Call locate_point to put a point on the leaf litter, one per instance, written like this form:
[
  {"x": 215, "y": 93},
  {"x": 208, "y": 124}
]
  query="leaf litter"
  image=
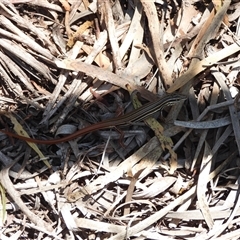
[{"x": 67, "y": 64}]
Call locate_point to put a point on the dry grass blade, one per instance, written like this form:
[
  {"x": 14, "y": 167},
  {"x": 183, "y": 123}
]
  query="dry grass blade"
[
  {"x": 157, "y": 43},
  {"x": 202, "y": 185},
  {"x": 7, "y": 184},
  {"x": 155, "y": 217},
  {"x": 235, "y": 121}
]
